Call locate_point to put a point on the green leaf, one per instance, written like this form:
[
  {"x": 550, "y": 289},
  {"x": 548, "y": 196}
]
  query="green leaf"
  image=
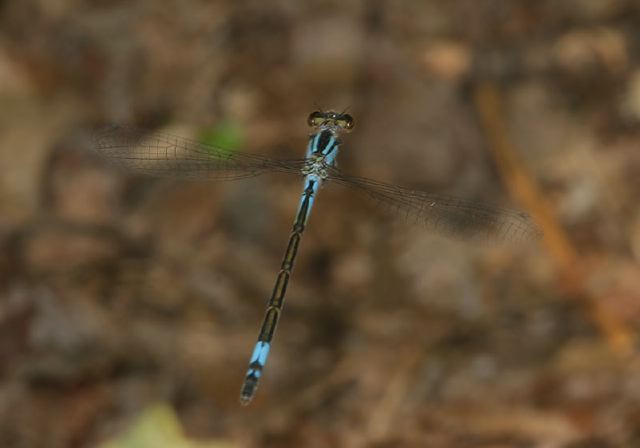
[
  {"x": 226, "y": 135},
  {"x": 158, "y": 427}
]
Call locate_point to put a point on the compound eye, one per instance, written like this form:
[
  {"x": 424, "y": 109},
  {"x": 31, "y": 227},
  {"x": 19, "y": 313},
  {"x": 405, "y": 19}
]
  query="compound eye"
[
  {"x": 347, "y": 121},
  {"x": 315, "y": 118}
]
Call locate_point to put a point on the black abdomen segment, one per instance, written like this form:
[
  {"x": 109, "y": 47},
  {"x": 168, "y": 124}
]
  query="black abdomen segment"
[{"x": 274, "y": 306}]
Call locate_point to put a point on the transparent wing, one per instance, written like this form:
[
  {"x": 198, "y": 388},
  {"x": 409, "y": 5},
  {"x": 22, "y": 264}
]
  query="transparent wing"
[
  {"x": 448, "y": 216},
  {"x": 163, "y": 154}
]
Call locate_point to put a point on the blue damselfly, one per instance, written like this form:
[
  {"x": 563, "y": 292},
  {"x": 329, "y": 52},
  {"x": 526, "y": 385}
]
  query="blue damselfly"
[{"x": 157, "y": 153}]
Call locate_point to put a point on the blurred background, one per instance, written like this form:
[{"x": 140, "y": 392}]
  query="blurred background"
[{"x": 129, "y": 306}]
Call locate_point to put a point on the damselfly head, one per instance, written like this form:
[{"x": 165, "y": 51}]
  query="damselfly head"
[{"x": 330, "y": 119}]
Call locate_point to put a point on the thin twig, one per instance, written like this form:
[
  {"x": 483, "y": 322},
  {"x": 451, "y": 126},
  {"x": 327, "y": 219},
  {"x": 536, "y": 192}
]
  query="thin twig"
[{"x": 572, "y": 273}]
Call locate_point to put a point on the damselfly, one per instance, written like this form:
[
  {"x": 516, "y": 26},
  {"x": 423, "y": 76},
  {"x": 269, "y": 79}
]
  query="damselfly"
[{"x": 165, "y": 154}]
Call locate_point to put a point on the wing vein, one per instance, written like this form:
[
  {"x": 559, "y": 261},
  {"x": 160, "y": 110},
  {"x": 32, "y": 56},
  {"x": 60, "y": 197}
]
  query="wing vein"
[
  {"x": 164, "y": 154},
  {"x": 449, "y": 216}
]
